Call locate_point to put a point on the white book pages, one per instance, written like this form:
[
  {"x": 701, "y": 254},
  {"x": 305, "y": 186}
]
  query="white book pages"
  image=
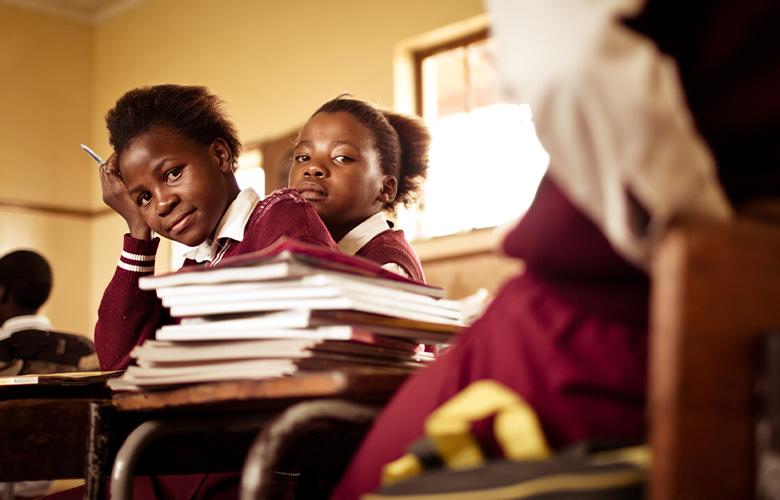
[
  {"x": 157, "y": 351},
  {"x": 130, "y": 381},
  {"x": 317, "y": 286},
  {"x": 248, "y": 367},
  {"x": 387, "y": 307},
  {"x": 269, "y": 271},
  {"x": 215, "y": 332},
  {"x": 301, "y": 324}
]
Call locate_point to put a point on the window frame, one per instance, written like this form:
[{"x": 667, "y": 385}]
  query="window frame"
[{"x": 419, "y": 55}]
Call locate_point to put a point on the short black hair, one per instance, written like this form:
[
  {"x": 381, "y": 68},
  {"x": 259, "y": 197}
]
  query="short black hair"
[
  {"x": 27, "y": 276},
  {"x": 401, "y": 143},
  {"x": 190, "y": 110}
]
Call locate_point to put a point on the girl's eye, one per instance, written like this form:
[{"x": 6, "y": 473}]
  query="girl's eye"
[
  {"x": 173, "y": 174},
  {"x": 342, "y": 159},
  {"x": 144, "y": 199},
  {"x": 301, "y": 158}
]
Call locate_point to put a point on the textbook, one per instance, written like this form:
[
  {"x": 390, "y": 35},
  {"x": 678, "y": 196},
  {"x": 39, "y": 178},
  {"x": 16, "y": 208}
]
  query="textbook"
[
  {"x": 321, "y": 284},
  {"x": 135, "y": 378},
  {"x": 164, "y": 363},
  {"x": 308, "y": 324},
  {"x": 367, "y": 304},
  {"x": 60, "y": 379},
  {"x": 283, "y": 260},
  {"x": 155, "y": 353},
  {"x": 312, "y": 292},
  {"x": 157, "y": 377}
]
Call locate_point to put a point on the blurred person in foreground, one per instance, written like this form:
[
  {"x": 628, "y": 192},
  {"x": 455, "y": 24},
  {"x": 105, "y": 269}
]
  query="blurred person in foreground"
[{"x": 652, "y": 113}]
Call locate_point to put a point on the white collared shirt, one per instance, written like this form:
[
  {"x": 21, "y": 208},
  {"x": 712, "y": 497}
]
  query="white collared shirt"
[
  {"x": 24, "y": 322},
  {"x": 232, "y": 225},
  {"x": 364, "y": 232}
]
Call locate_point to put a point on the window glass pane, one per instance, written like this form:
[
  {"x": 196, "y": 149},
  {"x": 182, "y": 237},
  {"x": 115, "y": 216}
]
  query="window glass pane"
[
  {"x": 484, "y": 88},
  {"x": 444, "y": 83}
]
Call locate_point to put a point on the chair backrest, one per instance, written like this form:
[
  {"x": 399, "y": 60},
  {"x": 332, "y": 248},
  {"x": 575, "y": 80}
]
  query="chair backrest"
[{"x": 715, "y": 289}]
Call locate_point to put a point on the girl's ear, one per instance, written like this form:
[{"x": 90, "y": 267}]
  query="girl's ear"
[
  {"x": 222, "y": 155},
  {"x": 389, "y": 189}
]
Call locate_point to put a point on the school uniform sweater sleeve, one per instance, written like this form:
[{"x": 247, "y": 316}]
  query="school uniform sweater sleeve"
[{"x": 128, "y": 315}]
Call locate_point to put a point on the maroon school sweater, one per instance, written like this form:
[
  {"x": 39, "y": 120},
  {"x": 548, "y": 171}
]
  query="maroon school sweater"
[
  {"x": 569, "y": 335},
  {"x": 127, "y": 315},
  {"x": 391, "y": 246}
]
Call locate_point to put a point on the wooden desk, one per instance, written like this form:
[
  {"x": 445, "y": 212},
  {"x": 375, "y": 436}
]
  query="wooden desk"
[
  {"x": 43, "y": 438},
  {"x": 70, "y": 432},
  {"x": 357, "y": 385},
  {"x": 231, "y": 413},
  {"x": 44, "y": 430}
]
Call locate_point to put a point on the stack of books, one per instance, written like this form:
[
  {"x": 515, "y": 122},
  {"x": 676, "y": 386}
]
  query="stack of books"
[{"x": 289, "y": 308}]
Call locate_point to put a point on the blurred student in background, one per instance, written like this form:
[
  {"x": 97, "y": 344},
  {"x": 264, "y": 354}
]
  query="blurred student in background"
[{"x": 28, "y": 344}]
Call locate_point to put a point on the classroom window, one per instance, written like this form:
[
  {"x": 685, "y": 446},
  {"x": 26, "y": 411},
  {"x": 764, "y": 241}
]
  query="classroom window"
[
  {"x": 249, "y": 173},
  {"x": 485, "y": 159}
]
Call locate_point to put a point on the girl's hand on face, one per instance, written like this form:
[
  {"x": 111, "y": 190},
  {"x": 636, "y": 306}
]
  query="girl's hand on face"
[{"x": 115, "y": 195}]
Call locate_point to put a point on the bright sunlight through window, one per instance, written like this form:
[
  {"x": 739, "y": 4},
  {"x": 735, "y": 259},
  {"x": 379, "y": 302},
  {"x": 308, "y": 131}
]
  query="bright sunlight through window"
[{"x": 485, "y": 159}]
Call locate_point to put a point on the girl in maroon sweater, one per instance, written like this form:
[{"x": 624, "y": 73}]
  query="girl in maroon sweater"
[
  {"x": 172, "y": 173},
  {"x": 352, "y": 162}
]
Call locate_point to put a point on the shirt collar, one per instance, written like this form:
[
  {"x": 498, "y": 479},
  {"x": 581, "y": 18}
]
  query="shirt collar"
[
  {"x": 363, "y": 233},
  {"x": 232, "y": 225},
  {"x": 24, "y": 322}
]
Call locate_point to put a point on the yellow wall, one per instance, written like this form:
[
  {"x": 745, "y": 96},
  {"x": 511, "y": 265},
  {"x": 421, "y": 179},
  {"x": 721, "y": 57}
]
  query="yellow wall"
[
  {"x": 272, "y": 61},
  {"x": 46, "y": 94},
  {"x": 46, "y": 90}
]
